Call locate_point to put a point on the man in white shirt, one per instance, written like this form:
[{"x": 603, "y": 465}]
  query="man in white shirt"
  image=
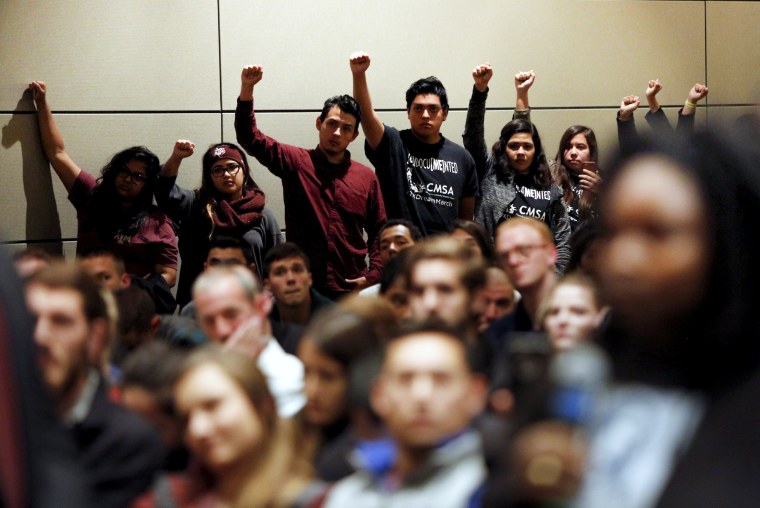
[{"x": 232, "y": 310}]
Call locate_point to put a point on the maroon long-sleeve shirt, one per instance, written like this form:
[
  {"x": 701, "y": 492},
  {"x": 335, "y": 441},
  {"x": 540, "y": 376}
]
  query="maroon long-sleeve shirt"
[{"x": 328, "y": 207}]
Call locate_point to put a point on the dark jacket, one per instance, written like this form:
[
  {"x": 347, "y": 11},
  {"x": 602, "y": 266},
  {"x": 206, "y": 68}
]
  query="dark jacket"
[{"x": 119, "y": 452}]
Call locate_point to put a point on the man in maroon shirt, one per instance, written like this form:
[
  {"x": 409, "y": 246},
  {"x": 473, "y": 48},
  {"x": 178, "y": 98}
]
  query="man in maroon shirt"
[{"x": 330, "y": 200}]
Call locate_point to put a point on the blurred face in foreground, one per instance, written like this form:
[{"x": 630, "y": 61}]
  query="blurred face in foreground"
[
  {"x": 222, "y": 308},
  {"x": 498, "y": 298},
  {"x": 572, "y": 315},
  {"x": 325, "y": 383},
  {"x": 426, "y": 392},
  {"x": 222, "y": 427},
  {"x": 525, "y": 255},
  {"x": 438, "y": 292},
  {"x": 655, "y": 251}
]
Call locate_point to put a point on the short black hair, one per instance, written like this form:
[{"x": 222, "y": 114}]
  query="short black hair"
[
  {"x": 283, "y": 251},
  {"x": 345, "y": 103},
  {"x": 232, "y": 242},
  {"x": 413, "y": 229},
  {"x": 97, "y": 252},
  {"x": 425, "y": 86}
]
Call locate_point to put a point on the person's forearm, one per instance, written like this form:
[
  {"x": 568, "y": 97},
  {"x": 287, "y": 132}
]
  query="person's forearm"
[
  {"x": 522, "y": 103},
  {"x": 53, "y": 146},
  {"x": 371, "y": 123},
  {"x": 171, "y": 166}
]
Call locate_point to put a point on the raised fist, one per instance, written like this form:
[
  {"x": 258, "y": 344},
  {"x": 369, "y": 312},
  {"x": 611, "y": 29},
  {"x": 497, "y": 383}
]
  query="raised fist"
[
  {"x": 183, "y": 149},
  {"x": 359, "y": 62},
  {"x": 251, "y": 75},
  {"x": 524, "y": 80},
  {"x": 482, "y": 74},
  {"x": 653, "y": 87},
  {"x": 38, "y": 90},
  {"x": 697, "y": 93},
  {"x": 629, "y": 104}
]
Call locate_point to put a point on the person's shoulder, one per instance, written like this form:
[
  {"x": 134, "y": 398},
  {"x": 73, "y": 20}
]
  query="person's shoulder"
[
  {"x": 350, "y": 491},
  {"x": 391, "y": 131},
  {"x": 555, "y": 192},
  {"x": 125, "y": 422},
  {"x": 86, "y": 178},
  {"x": 85, "y": 183},
  {"x": 157, "y": 225},
  {"x": 448, "y": 144},
  {"x": 269, "y": 218},
  {"x": 454, "y": 150},
  {"x": 359, "y": 169},
  {"x": 118, "y": 432}
]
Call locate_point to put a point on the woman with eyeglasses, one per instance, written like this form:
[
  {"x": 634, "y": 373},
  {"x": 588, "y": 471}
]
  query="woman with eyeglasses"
[
  {"x": 227, "y": 203},
  {"x": 515, "y": 179},
  {"x": 115, "y": 211}
]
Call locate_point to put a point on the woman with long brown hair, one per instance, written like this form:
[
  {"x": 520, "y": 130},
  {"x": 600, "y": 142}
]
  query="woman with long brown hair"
[{"x": 245, "y": 453}]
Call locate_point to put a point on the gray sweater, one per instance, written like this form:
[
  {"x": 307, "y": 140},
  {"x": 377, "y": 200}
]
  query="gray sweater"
[{"x": 498, "y": 191}]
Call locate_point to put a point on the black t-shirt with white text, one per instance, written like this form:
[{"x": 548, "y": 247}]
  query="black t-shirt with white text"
[
  {"x": 530, "y": 200},
  {"x": 422, "y": 182}
]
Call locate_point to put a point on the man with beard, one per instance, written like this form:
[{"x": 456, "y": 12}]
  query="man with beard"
[{"x": 119, "y": 452}]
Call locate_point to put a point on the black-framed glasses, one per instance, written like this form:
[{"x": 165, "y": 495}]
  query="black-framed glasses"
[
  {"x": 134, "y": 176},
  {"x": 219, "y": 171}
]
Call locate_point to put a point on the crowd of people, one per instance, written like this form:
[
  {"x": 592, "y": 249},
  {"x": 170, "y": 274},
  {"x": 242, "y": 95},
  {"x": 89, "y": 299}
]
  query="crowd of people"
[{"x": 459, "y": 326}]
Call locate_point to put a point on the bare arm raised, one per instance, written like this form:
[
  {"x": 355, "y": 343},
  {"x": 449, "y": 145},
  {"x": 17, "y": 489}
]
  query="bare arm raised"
[
  {"x": 371, "y": 123},
  {"x": 653, "y": 88},
  {"x": 52, "y": 142},
  {"x": 182, "y": 149},
  {"x": 523, "y": 82},
  {"x": 696, "y": 94}
]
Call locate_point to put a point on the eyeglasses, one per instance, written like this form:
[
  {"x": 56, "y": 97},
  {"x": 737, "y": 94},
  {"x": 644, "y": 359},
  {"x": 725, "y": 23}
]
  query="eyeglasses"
[
  {"x": 219, "y": 171},
  {"x": 520, "y": 252},
  {"x": 134, "y": 176}
]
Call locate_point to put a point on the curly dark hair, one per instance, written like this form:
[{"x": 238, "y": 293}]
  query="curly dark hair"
[
  {"x": 107, "y": 213},
  {"x": 425, "y": 86}
]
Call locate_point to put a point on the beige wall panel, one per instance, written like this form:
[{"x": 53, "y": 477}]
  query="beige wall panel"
[
  {"x": 35, "y": 204},
  {"x": 67, "y": 250},
  {"x": 733, "y": 52},
  {"x": 728, "y": 115},
  {"x": 585, "y": 52},
  {"x": 101, "y": 55}
]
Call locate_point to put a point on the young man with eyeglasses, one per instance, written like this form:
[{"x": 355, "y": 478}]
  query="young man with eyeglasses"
[
  {"x": 425, "y": 177},
  {"x": 526, "y": 251},
  {"x": 330, "y": 199}
]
